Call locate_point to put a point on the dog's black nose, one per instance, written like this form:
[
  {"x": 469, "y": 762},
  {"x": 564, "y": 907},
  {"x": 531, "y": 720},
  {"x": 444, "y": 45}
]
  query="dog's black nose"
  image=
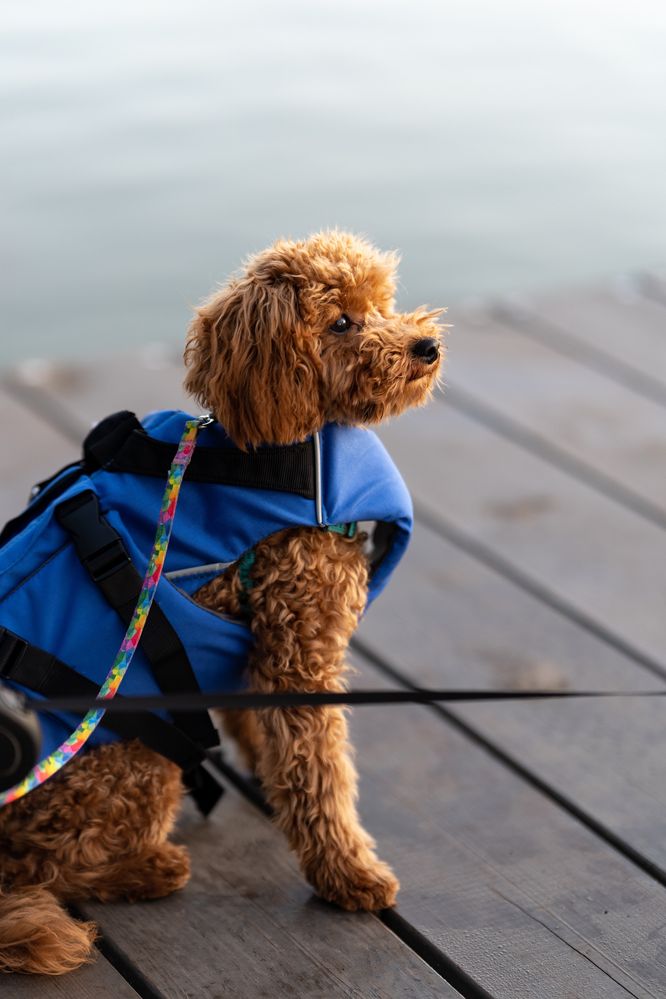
[{"x": 426, "y": 350}]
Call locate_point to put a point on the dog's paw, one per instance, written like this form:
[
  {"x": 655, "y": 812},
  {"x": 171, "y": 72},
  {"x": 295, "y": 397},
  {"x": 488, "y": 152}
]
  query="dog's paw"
[
  {"x": 354, "y": 885},
  {"x": 155, "y": 872},
  {"x": 167, "y": 869}
]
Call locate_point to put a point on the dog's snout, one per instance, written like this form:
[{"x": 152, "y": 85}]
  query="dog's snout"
[{"x": 427, "y": 350}]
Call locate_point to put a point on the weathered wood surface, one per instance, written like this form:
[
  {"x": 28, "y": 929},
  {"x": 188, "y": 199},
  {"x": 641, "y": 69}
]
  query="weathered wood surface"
[
  {"x": 248, "y": 925},
  {"x": 615, "y": 328},
  {"x": 604, "y": 758},
  {"x": 593, "y": 426},
  {"x": 41, "y": 451},
  {"x": 539, "y": 523},
  {"x": 501, "y": 888},
  {"x": 518, "y": 830},
  {"x": 565, "y": 536},
  {"x": 140, "y": 381},
  {"x": 96, "y": 981},
  {"x": 513, "y": 889}
]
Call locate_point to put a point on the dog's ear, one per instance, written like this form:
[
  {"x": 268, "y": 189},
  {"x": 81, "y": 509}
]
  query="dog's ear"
[{"x": 253, "y": 362}]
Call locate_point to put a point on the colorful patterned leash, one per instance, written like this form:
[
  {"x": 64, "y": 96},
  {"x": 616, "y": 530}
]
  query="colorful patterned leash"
[{"x": 70, "y": 747}]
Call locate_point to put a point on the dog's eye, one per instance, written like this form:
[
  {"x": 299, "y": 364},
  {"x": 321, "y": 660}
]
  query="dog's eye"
[{"x": 341, "y": 325}]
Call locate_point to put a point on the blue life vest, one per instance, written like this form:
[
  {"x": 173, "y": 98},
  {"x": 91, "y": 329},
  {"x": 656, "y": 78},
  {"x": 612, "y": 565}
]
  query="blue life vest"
[{"x": 230, "y": 501}]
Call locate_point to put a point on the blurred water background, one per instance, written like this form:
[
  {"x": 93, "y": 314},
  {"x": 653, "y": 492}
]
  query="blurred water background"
[{"x": 147, "y": 147}]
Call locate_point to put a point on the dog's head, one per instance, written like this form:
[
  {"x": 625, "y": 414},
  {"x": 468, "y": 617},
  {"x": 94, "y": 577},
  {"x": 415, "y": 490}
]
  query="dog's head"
[{"x": 308, "y": 334}]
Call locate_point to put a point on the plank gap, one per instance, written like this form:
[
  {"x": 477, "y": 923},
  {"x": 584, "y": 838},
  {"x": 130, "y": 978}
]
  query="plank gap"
[
  {"x": 497, "y": 563},
  {"x": 521, "y": 770},
  {"x": 555, "y": 337},
  {"x": 46, "y": 408},
  {"x": 121, "y": 963},
  {"x": 541, "y": 447},
  {"x": 435, "y": 958}
]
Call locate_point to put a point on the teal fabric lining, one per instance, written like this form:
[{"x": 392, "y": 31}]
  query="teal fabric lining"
[{"x": 346, "y": 530}]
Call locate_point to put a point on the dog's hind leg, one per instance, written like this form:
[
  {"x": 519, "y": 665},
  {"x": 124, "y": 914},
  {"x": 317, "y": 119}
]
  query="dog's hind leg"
[
  {"x": 98, "y": 829},
  {"x": 151, "y": 872},
  {"x": 309, "y": 590}
]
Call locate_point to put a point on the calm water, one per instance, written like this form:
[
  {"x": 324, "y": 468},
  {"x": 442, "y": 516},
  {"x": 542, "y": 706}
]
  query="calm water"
[{"x": 148, "y": 146}]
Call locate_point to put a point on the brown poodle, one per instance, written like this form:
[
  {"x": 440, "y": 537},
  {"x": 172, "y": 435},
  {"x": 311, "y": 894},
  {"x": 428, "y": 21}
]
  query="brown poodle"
[{"x": 266, "y": 356}]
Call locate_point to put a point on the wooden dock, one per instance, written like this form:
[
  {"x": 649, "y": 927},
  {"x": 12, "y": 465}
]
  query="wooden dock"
[{"x": 530, "y": 838}]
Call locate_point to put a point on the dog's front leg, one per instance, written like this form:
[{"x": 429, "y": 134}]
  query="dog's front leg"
[{"x": 310, "y": 587}]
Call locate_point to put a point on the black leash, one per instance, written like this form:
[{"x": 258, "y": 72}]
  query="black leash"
[
  {"x": 20, "y": 738},
  {"x": 296, "y": 699}
]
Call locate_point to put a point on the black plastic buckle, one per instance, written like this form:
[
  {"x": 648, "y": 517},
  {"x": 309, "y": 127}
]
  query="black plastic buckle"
[
  {"x": 99, "y": 547},
  {"x": 12, "y": 650},
  {"x": 106, "y": 561}
]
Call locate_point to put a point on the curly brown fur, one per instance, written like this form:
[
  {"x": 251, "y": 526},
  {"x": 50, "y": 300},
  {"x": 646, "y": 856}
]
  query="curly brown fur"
[
  {"x": 96, "y": 830},
  {"x": 81, "y": 832},
  {"x": 309, "y": 592},
  {"x": 262, "y": 355}
]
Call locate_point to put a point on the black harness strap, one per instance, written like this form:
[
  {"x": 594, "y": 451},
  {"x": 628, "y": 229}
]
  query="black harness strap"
[
  {"x": 44, "y": 674},
  {"x": 101, "y": 551},
  {"x": 120, "y": 444}
]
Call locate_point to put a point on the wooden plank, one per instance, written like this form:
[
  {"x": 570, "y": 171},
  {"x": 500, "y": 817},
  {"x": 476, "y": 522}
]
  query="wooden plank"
[
  {"x": 517, "y": 893},
  {"x": 37, "y": 450},
  {"x": 615, "y": 323},
  {"x": 606, "y": 757},
  {"x": 96, "y": 981},
  {"x": 448, "y": 620},
  {"x": 83, "y": 393},
  {"x": 248, "y": 926},
  {"x": 596, "y": 557},
  {"x": 563, "y": 409},
  {"x": 55, "y": 404},
  {"x": 514, "y": 890}
]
